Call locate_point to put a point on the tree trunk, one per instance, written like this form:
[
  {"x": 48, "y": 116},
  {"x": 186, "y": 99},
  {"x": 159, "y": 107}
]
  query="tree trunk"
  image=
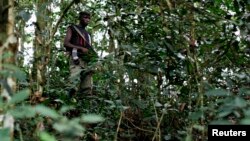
[
  {"x": 40, "y": 50},
  {"x": 8, "y": 44}
]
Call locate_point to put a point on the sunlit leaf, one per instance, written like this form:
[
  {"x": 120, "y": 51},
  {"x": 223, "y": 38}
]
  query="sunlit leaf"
[
  {"x": 65, "y": 109},
  {"x": 92, "y": 118},
  {"x": 61, "y": 127},
  {"x": 125, "y": 107},
  {"x": 44, "y": 136},
  {"x": 199, "y": 127},
  {"x": 109, "y": 101},
  {"x": 158, "y": 104},
  {"x": 70, "y": 127}
]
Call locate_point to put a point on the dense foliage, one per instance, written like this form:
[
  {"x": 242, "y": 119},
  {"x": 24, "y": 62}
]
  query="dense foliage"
[{"x": 166, "y": 70}]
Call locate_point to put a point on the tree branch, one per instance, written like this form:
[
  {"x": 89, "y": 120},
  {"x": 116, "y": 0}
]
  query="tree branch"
[{"x": 59, "y": 21}]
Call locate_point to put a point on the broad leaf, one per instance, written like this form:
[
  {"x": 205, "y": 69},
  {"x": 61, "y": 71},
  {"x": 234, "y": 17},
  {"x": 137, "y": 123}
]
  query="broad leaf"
[
  {"x": 217, "y": 92},
  {"x": 44, "y": 136},
  {"x": 23, "y": 112},
  {"x": 20, "y": 96},
  {"x": 5, "y": 134},
  {"x": 46, "y": 111},
  {"x": 92, "y": 118}
]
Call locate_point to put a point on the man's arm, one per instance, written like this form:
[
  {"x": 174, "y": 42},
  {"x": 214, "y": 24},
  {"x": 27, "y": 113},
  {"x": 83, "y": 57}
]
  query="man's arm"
[{"x": 68, "y": 44}]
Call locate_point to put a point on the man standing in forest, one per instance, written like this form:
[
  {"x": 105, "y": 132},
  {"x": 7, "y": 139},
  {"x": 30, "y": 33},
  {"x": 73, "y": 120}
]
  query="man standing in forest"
[{"x": 78, "y": 44}]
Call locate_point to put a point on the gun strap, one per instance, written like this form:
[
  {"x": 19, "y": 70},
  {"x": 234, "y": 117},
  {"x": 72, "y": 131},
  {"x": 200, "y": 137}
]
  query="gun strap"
[{"x": 78, "y": 31}]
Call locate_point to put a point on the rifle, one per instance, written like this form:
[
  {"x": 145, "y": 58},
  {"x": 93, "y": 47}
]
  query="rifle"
[{"x": 91, "y": 56}]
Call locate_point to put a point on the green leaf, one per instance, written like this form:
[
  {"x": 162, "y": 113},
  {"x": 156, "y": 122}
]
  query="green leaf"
[
  {"x": 62, "y": 125},
  {"x": 1, "y": 103},
  {"x": 245, "y": 121},
  {"x": 46, "y": 111},
  {"x": 199, "y": 127},
  {"x": 69, "y": 127},
  {"x": 167, "y": 137},
  {"x": 44, "y": 136},
  {"x": 217, "y": 92},
  {"x": 195, "y": 115},
  {"x": 23, "y": 112},
  {"x": 64, "y": 109},
  {"x": 244, "y": 91},
  {"x": 246, "y": 112},
  {"x": 110, "y": 102},
  {"x": 20, "y": 96},
  {"x": 92, "y": 118},
  {"x": 220, "y": 122},
  {"x": 5, "y": 134},
  {"x": 240, "y": 102},
  {"x": 225, "y": 112},
  {"x": 15, "y": 72},
  {"x": 140, "y": 103},
  {"x": 6, "y": 55},
  {"x": 158, "y": 104},
  {"x": 188, "y": 137}
]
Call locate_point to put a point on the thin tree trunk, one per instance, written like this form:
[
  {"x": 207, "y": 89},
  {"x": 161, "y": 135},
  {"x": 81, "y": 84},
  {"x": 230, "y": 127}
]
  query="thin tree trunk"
[
  {"x": 40, "y": 55},
  {"x": 44, "y": 33},
  {"x": 8, "y": 43}
]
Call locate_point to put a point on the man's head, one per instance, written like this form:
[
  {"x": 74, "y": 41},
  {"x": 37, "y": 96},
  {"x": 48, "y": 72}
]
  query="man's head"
[{"x": 84, "y": 18}]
